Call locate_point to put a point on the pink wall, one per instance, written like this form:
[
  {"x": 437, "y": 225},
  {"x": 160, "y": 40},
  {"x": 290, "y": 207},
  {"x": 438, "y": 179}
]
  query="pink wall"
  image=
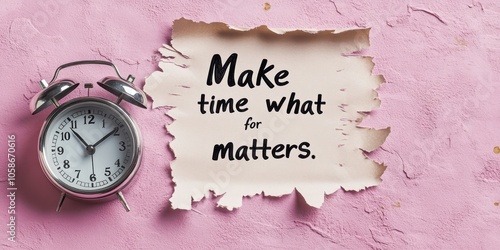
[{"x": 441, "y": 189}]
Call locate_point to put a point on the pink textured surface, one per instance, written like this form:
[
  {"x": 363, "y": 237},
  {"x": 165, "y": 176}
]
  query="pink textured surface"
[{"x": 442, "y": 185}]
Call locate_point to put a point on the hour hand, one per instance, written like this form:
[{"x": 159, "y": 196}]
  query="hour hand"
[
  {"x": 106, "y": 136},
  {"x": 80, "y": 138}
]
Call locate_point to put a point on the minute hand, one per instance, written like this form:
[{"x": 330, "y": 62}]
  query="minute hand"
[{"x": 106, "y": 136}]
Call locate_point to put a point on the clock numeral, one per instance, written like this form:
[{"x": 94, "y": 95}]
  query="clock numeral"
[
  {"x": 122, "y": 146},
  {"x": 103, "y": 123},
  {"x": 60, "y": 150},
  {"x": 65, "y": 136},
  {"x": 66, "y": 164},
  {"x": 116, "y": 133},
  {"x": 77, "y": 173},
  {"x": 73, "y": 124},
  {"x": 107, "y": 172},
  {"x": 88, "y": 119},
  {"x": 117, "y": 163},
  {"x": 92, "y": 177}
]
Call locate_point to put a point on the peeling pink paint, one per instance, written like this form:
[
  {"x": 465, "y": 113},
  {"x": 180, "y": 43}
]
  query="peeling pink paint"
[{"x": 441, "y": 190}]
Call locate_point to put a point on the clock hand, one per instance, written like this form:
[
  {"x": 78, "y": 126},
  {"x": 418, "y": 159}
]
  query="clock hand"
[
  {"x": 106, "y": 136},
  {"x": 92, "y": 158},
  {"x": 80, "y": 138},
  {"x": 89, "y": 148}
]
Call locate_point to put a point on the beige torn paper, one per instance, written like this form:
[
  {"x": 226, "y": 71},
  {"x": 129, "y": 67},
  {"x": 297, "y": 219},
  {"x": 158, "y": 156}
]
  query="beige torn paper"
[{"x": 231, "y": 144}]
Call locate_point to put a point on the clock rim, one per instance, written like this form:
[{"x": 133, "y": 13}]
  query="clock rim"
[{"x": 100, "y": 193}]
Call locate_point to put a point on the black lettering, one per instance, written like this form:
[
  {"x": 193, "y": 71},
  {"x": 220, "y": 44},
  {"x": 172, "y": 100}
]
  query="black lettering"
[
  {"x": 202, "y": 103},
  {"x": 273, "y": 105},
  {"x": 289, "y": 148},
  {"x": 223, "y": 105},
  {"x": 220, "y": 149},
  {"x": 293, "y": 103},
  {"x": 212, "y": 101},
  {"x": 246, "y": 79},
  {"x": 278, "y": 148},
  {"x": 254, "y": 148},
  {"x": 217, "y": 70},
  {"x": 261, "y": 75},
  {"x": 319, "y": 103},
  {"x": 281, "y": 75},
  {"x": 304, "y": 148},
  {"x": 242, "y": 153},
  {"x": 240, "y": 105},
  {"x": 295, "y": 106},
  {"x": 307, "y": 107}
]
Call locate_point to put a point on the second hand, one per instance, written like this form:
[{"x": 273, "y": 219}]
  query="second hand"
[{"x": 92, "y": 158}]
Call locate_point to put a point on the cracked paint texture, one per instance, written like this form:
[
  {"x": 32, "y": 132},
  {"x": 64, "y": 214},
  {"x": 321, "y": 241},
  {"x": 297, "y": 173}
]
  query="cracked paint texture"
[{"x": 441, "y": 189}]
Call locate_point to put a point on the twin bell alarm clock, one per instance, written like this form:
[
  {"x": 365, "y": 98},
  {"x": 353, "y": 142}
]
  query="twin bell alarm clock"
[{"x": 89, "y": 147}]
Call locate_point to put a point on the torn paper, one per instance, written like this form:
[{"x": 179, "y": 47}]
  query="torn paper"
[{"x": 267, "y": 111}]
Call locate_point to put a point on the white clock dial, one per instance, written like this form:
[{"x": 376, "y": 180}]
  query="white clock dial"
[{"x": 90, "y": 146}]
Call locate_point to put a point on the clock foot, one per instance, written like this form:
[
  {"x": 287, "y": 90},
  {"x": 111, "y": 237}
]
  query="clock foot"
[
  {"x": 61, "y": 200},
  {"x": 123, "y": 201}
]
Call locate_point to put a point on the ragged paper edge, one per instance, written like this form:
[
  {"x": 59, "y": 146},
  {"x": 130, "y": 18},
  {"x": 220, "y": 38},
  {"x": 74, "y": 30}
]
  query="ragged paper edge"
[
  {"x": 174, "y": 58},
  {"x": 178, "y": 59}
]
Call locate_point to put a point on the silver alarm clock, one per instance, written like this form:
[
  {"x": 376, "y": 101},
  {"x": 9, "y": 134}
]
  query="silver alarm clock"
[{"x": 89, "y": 147}]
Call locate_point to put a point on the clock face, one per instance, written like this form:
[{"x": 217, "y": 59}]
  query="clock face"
[{"x": 90, "y": 147}]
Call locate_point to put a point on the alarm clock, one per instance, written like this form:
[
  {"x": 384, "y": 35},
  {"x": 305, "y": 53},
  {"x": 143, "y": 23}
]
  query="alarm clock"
[{"x": 89, "y": 147}]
